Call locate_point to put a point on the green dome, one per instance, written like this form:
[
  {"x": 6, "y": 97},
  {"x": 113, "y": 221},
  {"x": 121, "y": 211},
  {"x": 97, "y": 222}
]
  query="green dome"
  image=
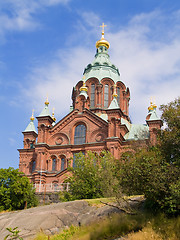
[{"x": 101, "y": 67}]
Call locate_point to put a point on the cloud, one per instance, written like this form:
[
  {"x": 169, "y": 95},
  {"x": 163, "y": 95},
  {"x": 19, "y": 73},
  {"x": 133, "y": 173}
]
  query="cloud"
[
  {"x": 56, "y": 78},
  {"x": 149, "y": 60},
  {"x": 18, "y": 15},
  {"x": 146, "y": 51}
]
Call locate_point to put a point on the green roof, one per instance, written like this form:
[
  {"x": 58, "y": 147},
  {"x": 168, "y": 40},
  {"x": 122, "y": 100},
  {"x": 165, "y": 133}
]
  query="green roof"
[
  {"x": 102, "y": 67},
  {"x": 30, "y": 127},
  {"x": 45, "y": 112},
  {"x": 137, "y": 132},
  {"x": 153, "y": 115},
  {"x": 114, "y": 104}
]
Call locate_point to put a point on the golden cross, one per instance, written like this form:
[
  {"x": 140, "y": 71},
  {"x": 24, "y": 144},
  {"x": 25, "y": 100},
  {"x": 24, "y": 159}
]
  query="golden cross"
[{"x": 103, "y": 26}]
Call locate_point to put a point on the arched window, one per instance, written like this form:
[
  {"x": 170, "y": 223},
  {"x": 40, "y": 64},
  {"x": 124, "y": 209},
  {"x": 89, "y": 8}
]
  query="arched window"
[
  {"x": 33, "y": 166},
  {"x": 118, "y": 95},
  {"x": 80, "y": 134},
  {"x": 106, "y": 96},
  {"x": 54, "y": 164},
  {"x": 31, "y": 145},
  {"x": 92, "y": 100},
  {"x": 62, "y": 163}
]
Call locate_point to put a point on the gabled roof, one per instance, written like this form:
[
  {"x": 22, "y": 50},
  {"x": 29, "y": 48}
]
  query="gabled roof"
[{"x": 74, "y": 114}]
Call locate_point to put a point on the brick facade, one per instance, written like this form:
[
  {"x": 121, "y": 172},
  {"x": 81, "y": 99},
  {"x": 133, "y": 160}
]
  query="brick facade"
[{"x": 46, "y": 154}]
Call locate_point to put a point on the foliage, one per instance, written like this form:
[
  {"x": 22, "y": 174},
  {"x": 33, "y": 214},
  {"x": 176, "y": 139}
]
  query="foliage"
[
  {"x": 154, "y": 171},
  {"x": 16, "y": 192},
  {"x": 142, "y": 226},
  {"x": 97, "y": 202},
  {"x": 170, "y": 137},
  {"x": 13, "y": 234},
  {"x": 116, "y": 225},
  {"x": 146, "y": 172},
  {"x": 93, "y": 176}
]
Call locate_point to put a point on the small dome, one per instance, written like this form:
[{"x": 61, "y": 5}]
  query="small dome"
[{"x": 102, "y": 42}]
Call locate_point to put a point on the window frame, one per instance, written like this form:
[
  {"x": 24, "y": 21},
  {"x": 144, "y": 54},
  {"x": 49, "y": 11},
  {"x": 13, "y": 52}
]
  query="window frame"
[{"x": 78, "y": 137}]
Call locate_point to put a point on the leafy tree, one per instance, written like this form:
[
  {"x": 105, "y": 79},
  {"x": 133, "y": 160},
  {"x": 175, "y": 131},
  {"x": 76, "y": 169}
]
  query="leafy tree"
[
  {"x": 16, "y": 192},
  {"x": 146, "y": 172},
  {"x": 154, "y": 172},
  {"x": 93, "y": 175},
  {"x": 170, "y": 137}
]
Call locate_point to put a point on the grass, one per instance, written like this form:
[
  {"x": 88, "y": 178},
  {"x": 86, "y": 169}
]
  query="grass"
[
  {"x": 136, "y": 227},
  {"x": 98, "y": 201},
  {"x": 104, "y": 229}
]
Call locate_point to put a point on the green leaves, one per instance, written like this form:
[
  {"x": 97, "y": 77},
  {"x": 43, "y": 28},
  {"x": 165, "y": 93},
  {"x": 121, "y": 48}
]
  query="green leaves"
[
  {"x": 170, "y": 137},
  {"x": 94, "y": 175},
  {"x": 15, "y": 190},
  {"x": 146, "y": 172},
  {"x": 13, "y": 233}
]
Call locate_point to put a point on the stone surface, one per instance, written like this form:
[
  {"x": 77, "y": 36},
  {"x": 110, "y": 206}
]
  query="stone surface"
[{"x": 51, "y": 218}]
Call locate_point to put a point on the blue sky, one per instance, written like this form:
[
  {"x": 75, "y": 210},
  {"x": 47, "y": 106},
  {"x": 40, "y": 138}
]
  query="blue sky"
[{"x": 46, "y": 44}]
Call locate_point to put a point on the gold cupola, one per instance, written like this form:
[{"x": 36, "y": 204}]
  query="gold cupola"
[
  {"x": 114, "y": 92},
  {"x": 32, "y": 117},
  {"x": 53, "y": 117},
  {"x": 83, "y": 88},
  {"x": 102, "y": 41}
]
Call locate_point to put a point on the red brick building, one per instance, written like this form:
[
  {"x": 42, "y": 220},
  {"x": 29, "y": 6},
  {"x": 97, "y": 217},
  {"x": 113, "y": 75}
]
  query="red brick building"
[{"x": 99, "y": 119}]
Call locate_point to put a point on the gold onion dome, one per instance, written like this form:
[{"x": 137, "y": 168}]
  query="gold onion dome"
[
  {"x": 102, "y": 41},
  {"x": 32, "y": 117},
  {"x": 47, "y": 102},
  {"x": 53, "y": 117},
  {"x": 151, "y": 107},
  {"x": 83, "y": 88},
  {"x": 154, "y": 106}
]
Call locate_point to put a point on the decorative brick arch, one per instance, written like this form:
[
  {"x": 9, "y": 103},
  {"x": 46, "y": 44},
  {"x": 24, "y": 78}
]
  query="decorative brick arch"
[
  {"x": 59, "y": 139},
  {"x": 98, "y": 135}
]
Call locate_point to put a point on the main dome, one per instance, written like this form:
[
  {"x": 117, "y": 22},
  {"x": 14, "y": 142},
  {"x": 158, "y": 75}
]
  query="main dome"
[{"x": 102, "y": 67}]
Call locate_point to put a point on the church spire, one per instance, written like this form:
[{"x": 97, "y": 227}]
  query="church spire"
[
  {"x": 83, "y": 89},
  {"x": 53, "y": 117},
  {"x": 115, "y": 93},
  {"x": 45, "y": 112},
  {"x": 102, "y": 41},
  {"x": 31, "y": 127},
  {"x": 114, "y": 103}
]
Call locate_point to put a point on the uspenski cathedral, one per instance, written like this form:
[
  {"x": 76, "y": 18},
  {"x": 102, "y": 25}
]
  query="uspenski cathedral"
[{"x": 98, "y": 120}]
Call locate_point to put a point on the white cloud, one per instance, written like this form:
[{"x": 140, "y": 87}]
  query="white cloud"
[
  {"x": 146, "y": 51},
  {"x": 57, "y": 79},
  {"x": 18, "y": 15}
]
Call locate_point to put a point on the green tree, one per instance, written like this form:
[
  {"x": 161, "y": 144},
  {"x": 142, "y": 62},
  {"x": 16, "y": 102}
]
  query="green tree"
[
  {"x": 154, "y": 171},
  {"x": 93, "y": 175},
  {"x": 170, "y": 136},
  {"x": 16, "y": 192},
  {"x": 146, "y": 172}
]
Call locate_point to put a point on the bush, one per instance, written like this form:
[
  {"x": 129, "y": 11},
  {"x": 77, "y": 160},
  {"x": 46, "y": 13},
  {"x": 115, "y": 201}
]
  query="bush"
[
  {"x": 16, "y": 192},
  {"x": 147, "y": 172},
  {"x": 94, "y": 176}
]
